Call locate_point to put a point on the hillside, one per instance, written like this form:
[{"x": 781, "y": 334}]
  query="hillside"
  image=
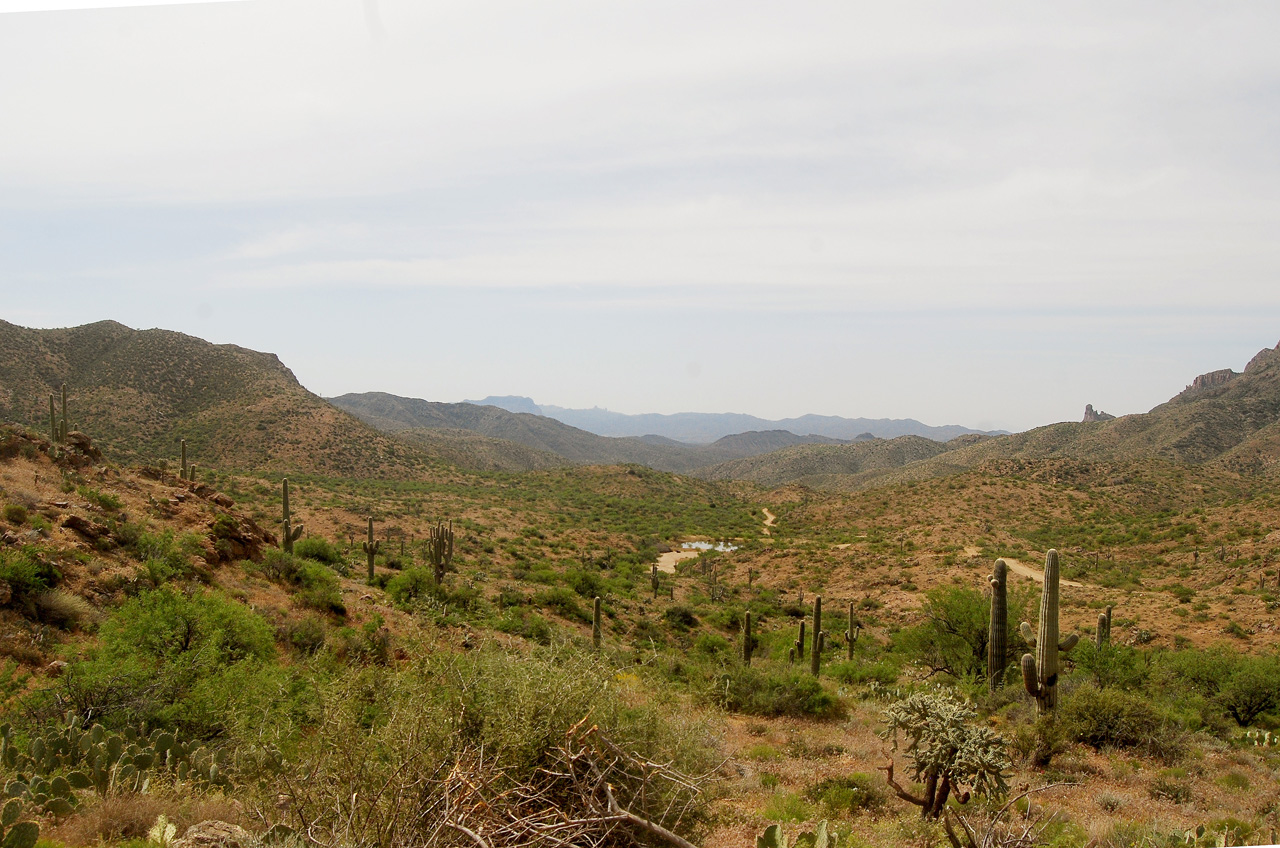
[
  {"x": 1222, "y": 419},
  {"x": 413, "y": 418},
  {"x": 813, "y": 464},
  {"x": 138, "y": 392}
]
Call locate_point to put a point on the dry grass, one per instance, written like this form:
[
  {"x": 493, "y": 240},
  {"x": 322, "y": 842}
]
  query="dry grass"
[{"x": 122, "y": 817}]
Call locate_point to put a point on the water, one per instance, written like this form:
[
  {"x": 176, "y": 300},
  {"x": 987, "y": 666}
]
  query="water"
[{"x": 722, "y": 547}]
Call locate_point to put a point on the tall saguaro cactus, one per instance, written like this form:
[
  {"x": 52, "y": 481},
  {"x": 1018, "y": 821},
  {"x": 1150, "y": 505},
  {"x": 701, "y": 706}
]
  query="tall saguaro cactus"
[
  {"x": 440, "y": 550},
  {"x": 1040, "y": 673},
  {"x": 182, "y": 449},
  {"x": 371, "y": 548},
  {"x": 289, "y": 534},
  {"x": 815, "y": 660},
  {"x": 746, "y": 639},
  {"x": 851, "y": 635},
  {"x": 998, "y": 635},
  {"x": 798, "y": 647},
  {"x": 597, "y": 631}
]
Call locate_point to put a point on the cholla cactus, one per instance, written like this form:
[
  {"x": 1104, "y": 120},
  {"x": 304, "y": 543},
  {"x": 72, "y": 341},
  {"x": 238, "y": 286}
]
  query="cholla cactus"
[
  {"x": 1040, "y": 673},
  {"x": 948, "y": 754}
]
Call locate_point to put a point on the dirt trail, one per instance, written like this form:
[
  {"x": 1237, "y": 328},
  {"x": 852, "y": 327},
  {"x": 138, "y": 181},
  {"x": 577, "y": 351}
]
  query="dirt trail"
[
  {"x": 1036, "y": 574},
  {"x": 667, "y": 562},
  {"x": 769, "y": 520}
]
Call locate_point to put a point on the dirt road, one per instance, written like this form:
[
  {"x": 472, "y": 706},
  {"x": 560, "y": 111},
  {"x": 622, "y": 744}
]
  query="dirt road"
[{"x": 769, "y": 520}]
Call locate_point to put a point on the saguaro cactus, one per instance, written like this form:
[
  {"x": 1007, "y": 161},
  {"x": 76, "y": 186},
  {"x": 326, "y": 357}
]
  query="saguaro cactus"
[
  {"x": 746, "y": 639},
  {"x": 66, "y": 422},
  {"x": 597, "y": 632},
  {"x": 182, "y": 450},
  {"x": 815, "y": 659},
  {"x": 997, "y": 637},
  {"x": 799, "y": 644},
  {"x": 53, "y": 422},
  {"x": 1103, "y": 635},
  {"x": 654, "y": 577},
  {"x": 440, "y": 550},
  {"x": 1040, "y": 673},
  {"x": 289, "y": 534},
  {"x": 371, "y": 548},
  {"x": 851, "y": 635}
]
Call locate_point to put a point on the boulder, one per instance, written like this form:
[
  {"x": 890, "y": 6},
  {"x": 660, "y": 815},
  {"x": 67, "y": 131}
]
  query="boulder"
[{"x": 213, "y": 834}]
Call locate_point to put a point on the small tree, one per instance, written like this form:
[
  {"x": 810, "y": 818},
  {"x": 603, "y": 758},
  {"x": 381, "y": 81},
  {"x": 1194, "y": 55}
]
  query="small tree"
[{"x": 948, "y": 754}]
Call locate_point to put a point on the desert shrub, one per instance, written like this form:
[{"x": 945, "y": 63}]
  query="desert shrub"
[
  {"x": 165, "y": 555},
  {"x": 15, "y": 513},
  {"x": 103, "y": 500},
  {"x": 27, "y": 575},
  {"x": 179, "y": 662},
  {"x": 410, "y": 585},
  {"x": 842, "y": 796},
  {"x": 319, "y": 549},
  {"x": 1102, "y": 717},
  {"x": 305, "y": 634},
  {"x": 680, "y": 617},
  {"x": 1252, "y": 689},
  {"x": 526, "y": 624},
  {"x": 1203, "y": 671},
  {"x": 752, "y": 690},
  {"x": 711, "y": 643},
  {"x": 63, "y": 609},
  {"x": 787, "y": 807},
  {"x": 1118, "y": 666},
  {"x": 279, "y": 566},
  {"x": 564, "y": 601},
  {"x": 318, "y": 588},
  {"x": 587, "y": 583},
  {"x": 163, "y": 624},
  {"x": 954, "y": 636}
]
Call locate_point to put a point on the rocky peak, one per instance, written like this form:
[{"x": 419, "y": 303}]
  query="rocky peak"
[
  {"x": 1263, "y": 356},
  {"x": 1211, "y": 380},
  {"x": 1091, "y": 416}
]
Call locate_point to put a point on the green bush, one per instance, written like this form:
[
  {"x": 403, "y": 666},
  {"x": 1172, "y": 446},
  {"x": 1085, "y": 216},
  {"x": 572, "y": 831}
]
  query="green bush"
[
  {"x": 1102, "y": 717},
  {"x": 27, "y": 575},
  {"x": 410, "y": 585},
  {"x": 318, "y": 588},
  {"x": 15, "y": 514},
  {"x": 167, "y": 556},
  {"x": 1252, "y": 689},
  {"x": 564, "y": 601},
  {"x": 752, "y": 690},
  {"x": 680, "y": 617},
  {"x": 1118, "y": 666},
  {"x": 842, "y": 796},
  {"x": 319, "y": 549},
  {"x": 163, "y": 624}
]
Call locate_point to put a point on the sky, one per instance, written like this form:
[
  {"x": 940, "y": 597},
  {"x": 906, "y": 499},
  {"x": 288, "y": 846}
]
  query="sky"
[{"x": 976, "y": 213}]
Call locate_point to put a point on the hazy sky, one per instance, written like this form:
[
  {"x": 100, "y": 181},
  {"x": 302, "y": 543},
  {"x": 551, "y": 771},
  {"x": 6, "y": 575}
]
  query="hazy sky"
[{"x": 978, "y": 213}]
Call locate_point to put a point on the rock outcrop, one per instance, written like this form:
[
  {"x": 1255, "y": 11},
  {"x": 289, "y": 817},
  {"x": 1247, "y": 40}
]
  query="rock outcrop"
[
  {"x": 1211, "y": 380},
  {"x": 1090, "y": 415}
]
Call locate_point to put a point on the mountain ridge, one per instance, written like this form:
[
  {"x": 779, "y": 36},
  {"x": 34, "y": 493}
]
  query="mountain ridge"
[{"x": 707, "y": 427}]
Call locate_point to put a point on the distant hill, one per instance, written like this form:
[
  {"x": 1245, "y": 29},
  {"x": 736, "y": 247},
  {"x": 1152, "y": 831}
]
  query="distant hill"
[
  {"x": 1222, "y": 419},
  {"x": 706, "y": 427},
  {"x": 138, "y": 392},
  {"x": 813, "y": 464},
  {"x": 412, "y": 418}
]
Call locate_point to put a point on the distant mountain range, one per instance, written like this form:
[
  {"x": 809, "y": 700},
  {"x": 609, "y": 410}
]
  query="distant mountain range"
[
  {"x": 700, "y": 428},
  {"x": 137, "y": 393},
  {"x": 552, "y": 441}
]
